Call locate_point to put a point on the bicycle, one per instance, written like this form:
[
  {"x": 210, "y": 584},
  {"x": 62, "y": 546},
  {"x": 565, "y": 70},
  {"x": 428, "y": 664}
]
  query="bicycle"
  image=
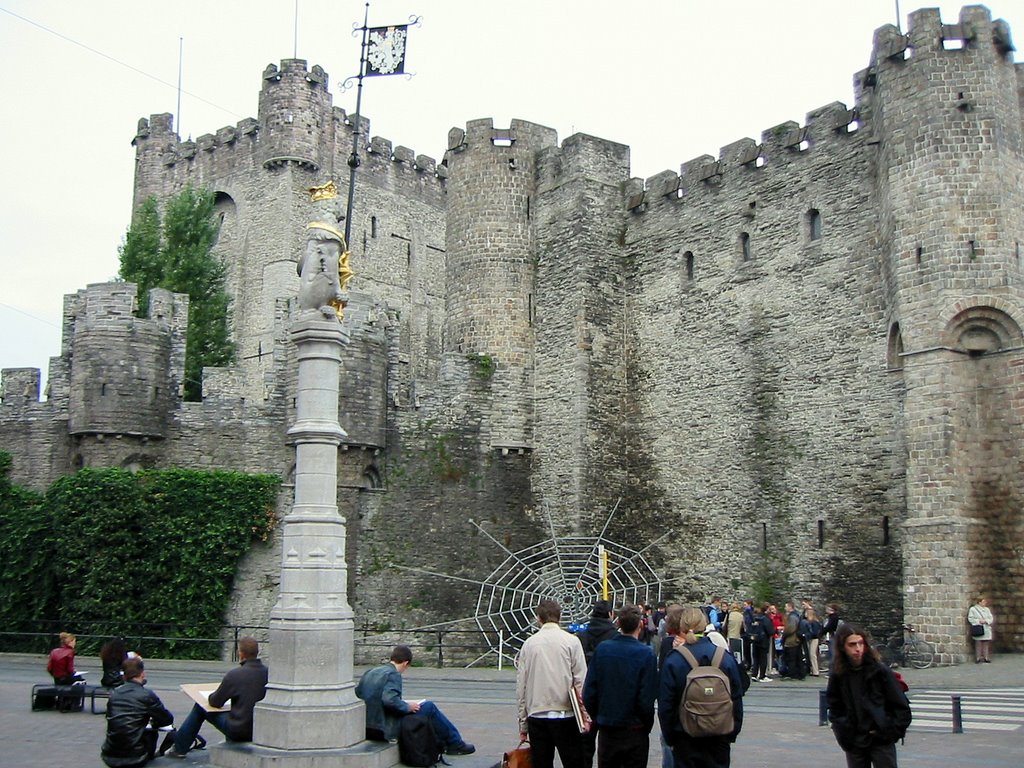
[{"x": 905, "y": 648}]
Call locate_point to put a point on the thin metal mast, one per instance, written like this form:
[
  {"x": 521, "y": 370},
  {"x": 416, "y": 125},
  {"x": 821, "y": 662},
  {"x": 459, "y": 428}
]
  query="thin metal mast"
[
  {"x": 177, "y": 111},
  {"x": 353, "y": 160}
]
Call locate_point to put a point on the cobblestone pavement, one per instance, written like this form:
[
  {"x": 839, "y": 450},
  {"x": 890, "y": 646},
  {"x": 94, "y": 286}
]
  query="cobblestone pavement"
[{"x": 780, "y": 726}]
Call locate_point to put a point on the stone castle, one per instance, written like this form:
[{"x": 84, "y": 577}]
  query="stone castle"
[{"x": 809, "y": 347}]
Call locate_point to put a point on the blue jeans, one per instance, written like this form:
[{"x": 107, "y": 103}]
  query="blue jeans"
[
  {"x": 189, "y": 729},
  {"x": 445, "y": 731}
]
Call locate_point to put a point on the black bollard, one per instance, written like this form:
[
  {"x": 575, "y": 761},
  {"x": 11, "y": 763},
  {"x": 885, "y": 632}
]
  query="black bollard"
[
  {"x": 958, "y": 716},
  {"x": 823, "y": 707}
]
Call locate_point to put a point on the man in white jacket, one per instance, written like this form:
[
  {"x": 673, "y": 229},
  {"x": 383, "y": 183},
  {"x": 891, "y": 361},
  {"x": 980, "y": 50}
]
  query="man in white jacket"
[{"x": 551, "y": 669}]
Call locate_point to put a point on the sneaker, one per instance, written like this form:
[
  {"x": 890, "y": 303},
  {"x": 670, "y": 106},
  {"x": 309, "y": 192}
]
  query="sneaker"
[
  {"x": 173, "y": 753},
  {"x": 465, "y": 748},
  {"x": 766, "y": 680},
  {"x": 199, "y": 743}
]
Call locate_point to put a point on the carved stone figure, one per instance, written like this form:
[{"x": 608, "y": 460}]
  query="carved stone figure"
[{"x": 323, "y": 270}]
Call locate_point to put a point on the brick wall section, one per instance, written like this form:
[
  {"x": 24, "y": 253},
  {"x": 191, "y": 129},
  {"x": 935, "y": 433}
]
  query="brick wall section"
[
  {"x": 580, "y": 466},
  {"x": 762, "y": 403}
]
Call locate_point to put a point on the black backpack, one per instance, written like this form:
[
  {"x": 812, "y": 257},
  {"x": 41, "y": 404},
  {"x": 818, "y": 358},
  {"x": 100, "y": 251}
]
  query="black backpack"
[{"x": 417, "y": 743}]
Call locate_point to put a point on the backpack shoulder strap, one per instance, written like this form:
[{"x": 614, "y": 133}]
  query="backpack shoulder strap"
[
  {"x": 716, "y": 660},
  {"x": 690, "y": 658}
]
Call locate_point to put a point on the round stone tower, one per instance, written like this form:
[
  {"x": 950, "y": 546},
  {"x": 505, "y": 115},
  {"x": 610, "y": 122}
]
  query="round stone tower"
[
  {"x": 490, "y": 261},
  {"x": 294, "y": 115},
  {"x": 124, "y": 373},
  {"x": 948, "y": 125}
]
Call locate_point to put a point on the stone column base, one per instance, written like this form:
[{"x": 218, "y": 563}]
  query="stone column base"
[{"x": 365, "y": 754}]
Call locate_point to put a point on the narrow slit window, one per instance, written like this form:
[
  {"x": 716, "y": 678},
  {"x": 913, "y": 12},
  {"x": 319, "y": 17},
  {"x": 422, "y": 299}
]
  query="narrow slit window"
[
  {"x": 821, "y": 534},
  {"x": 745, "y": 246},
  {"x": 688, "y": 263},
  {"x": 885, "y": 530},
  {"x": 764, "y": 537},
  {"x": 373, "y": 226},
  {"x": 814, "y": 223}
]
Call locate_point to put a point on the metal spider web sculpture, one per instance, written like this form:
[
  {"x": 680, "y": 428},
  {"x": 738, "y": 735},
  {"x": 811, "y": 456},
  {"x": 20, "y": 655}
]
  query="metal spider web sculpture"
[{"x": 563, "y": 568}]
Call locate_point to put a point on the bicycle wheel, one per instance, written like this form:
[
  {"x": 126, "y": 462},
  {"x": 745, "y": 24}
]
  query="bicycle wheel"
[
  {"x": 919, "y": 654},
  {"x": 886, "y": 654}
]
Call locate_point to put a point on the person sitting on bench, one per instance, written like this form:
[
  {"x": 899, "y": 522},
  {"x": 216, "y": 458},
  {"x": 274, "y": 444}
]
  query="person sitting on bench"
[
  {"x": 133, "y": 715},
  {"x": 62, "y": 661}
]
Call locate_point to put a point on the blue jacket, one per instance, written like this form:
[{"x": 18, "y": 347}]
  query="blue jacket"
[
  {"x": 673, "y": 681},
  {"x": 621, "y": 684},
  {"x": 381, "y": 689}
]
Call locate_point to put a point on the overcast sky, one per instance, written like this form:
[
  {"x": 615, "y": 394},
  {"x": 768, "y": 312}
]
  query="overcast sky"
[{"x": 673, "y": 79}]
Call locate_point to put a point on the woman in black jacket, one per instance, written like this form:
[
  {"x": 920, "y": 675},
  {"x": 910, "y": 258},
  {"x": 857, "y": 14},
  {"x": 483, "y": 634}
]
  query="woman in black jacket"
[
  {"x": 112, "y": 654},
  {"x": 762, "y": 633}
]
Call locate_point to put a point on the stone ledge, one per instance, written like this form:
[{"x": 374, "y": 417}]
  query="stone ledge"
[{"x": 365, "y": 754}]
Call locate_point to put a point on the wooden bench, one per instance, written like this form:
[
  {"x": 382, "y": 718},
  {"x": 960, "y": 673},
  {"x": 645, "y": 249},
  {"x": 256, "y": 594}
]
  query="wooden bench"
[{"x": 69, "y": 698}]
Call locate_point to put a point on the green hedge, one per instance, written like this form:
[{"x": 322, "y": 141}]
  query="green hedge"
[{"x": 110, "y": 550}]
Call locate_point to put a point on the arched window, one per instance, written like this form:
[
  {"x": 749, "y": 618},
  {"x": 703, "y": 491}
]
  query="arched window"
[{"x": 894, "y": 356}]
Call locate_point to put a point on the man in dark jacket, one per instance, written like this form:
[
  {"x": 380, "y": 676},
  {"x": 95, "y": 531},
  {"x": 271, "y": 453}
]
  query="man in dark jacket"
[
  {"x": 130, "y": 708},
  {"x": 866, "y": 705},
  {"x": 600, "y": 628},
  {"x": 619, "y": 693},
  {"x": 245, "y": 685}
]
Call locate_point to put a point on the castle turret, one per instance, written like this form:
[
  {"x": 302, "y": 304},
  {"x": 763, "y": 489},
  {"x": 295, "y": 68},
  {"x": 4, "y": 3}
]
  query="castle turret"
[
  {"x": 294, "y": 114},
  {"x": 124, "y": 375},
  {"x": 154, "y": 139},
  {"x": 490, "y": 264},
  {"x": 951, "y": 178}
]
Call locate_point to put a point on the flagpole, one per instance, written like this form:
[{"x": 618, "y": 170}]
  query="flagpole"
[
  {"x": 177, "y": 114},
  {"x": 353, "y": 160}
]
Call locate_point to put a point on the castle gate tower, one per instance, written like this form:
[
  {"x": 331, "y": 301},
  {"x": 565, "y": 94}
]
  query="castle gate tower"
[{"x": 951, "y": 191}]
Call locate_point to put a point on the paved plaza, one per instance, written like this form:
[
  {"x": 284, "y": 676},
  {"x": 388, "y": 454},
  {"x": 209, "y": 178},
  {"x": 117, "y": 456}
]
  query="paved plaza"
[{"x": 780, "y": 727}]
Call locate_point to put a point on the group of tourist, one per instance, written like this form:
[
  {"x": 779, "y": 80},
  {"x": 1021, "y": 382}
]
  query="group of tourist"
[
  {"x": 135, "y": 714},
  {"x": 605, "y": 685},
  {"x": 596, "y": 692}
]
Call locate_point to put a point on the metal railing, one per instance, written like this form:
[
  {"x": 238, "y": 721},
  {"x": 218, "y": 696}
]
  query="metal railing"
[{"x": 438, "y": 647}]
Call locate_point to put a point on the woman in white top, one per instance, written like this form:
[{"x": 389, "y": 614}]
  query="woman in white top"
[{"x": 980, "y": 615}]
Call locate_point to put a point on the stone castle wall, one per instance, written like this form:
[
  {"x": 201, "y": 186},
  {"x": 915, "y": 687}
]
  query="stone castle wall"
[{"x": 807, "y": 348}]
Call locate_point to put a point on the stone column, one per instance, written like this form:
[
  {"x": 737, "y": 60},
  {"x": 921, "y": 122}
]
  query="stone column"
[{"x": 311, "y": 715}]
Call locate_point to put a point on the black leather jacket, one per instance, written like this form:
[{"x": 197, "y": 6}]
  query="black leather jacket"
[
  {"x": 867, "y": 707},
  {"x": 131, "y": 707}
]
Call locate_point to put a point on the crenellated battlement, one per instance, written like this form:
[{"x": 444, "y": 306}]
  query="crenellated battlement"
[
  {"x": 295, "y": 71},
  {"x": 519, "y": 136},
  {"x": 583, "y": 156},
  {"x": 297, "y": 126},
  {"x": 827, "y": 129},
  {"x": 927, "y": 36}
]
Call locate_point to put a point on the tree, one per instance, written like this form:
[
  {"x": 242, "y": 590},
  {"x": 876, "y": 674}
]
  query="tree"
[{"x": 177, "y": 255}]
